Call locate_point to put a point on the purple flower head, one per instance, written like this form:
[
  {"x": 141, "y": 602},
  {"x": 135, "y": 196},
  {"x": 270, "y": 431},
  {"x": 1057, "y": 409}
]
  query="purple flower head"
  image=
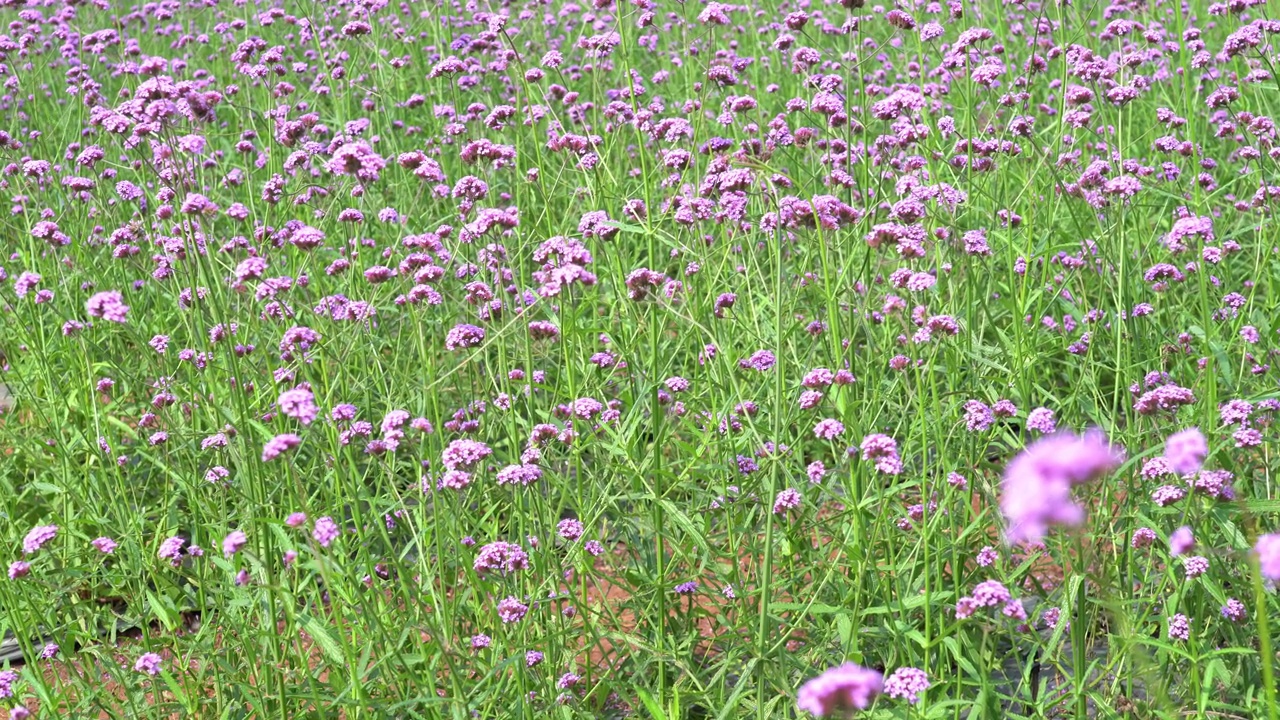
[
  {"x": 148, "y": 663},
  {"x": 232, "y": 543},
  {"x": 1181, "y": 541},
  {"x": 463, "y": 336},
  {"x": 104, "y": 545},
  {"x": 299, "y": 404},
  {"x": 510, "y": 610},
  {"x": 325, "y": 531},
  {"x": 279, "y": 445},
  {"x": 840, "y": 689},
  {"x": 108, "y": 305},
  {"x": 38, "y": 536},
  {"x": 1186, "y": 450},
  {"x": 1268, "y": 550},
  {"x": 1036, "y": 489},
  {"x": 1042, "y": 421},
  {"x": 907, "y": 682}
]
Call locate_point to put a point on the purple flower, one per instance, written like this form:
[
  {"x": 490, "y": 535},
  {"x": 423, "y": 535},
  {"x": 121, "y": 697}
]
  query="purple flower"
[
  {"x": 1268, "y": 549},
  {"x": 278, "y": 445},
  {"x": 840, "y": 689},
  {"x": 7, "y": 680},
  {"x": 105, "y": 545},
  {"x": 171, "y": 549},
  {"x": 1042, "y": 421},
  {"x": 463, "y": 336},
  {"x": 148, "y": 663},
  {"x": 1179, "y": 627},
  {"x": 1235, "y": 611},
  {"x": 686, "y": 588},
  {"x": 828, "y": 429},
  {"x": 1181, "y": 541},
  {"x": 232, "y": 543},
  {"x": 532, "y": 658},
  {"x": 787, "y": 500},
  {"x": 19, "y": 569},
  {"x": 108, "y": 305},
  {"x": 1186, "y": 450},
  {"x": 1036, "y": 489},
  {"x": 510, "y": 609},
  {"x": 38, "y": 536},
  {"x": 501, "y": 556},
  {"x": 325, "y": 531},
  {"x": 907, "y": 682},
  {"x": 299, "y": 404}
]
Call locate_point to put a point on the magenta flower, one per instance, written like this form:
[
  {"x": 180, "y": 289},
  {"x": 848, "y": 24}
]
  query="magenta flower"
[
  {"x": 325, "y": 531},
  {"x": 828, "y": 429},
  {"x": 510, "y": 609},
  {"x": 232, "y": 543},
  {"x": 105, "y": 545},
  {"x": 1268, "y": 550},
  {"x": 299, "y": 404},
  {"x": 907, "y": 682},
  {"x": 1186, "y": 450},
  {"x": 1036, "y": 490},
  {"x": 1181, "y": 541},
  {"x": 148, "y": 663},
  {"x": 279, "y": 444},
  {"x": 38, "y": 536},
  {"x": 840, "y": 689},
  {"x": 107, "y": 305}
]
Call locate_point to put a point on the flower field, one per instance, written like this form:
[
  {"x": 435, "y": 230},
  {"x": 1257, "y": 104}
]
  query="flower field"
[{"x": 639, "y": 358}]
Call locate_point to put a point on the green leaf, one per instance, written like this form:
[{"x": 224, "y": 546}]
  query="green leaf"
[
  {"x": 655, "y": 710},
  {"x": 320, "y": 634}
]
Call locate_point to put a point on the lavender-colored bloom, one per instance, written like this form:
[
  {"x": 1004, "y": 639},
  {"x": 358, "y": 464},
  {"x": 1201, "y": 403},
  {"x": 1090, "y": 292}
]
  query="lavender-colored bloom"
[
  {"x": 1195, "y": 566},
  {"x": 1042, "y": 421},
  {"x": 1186, "y": 450},
  {"x": 1036, "y": 490},
  {"x": 299, "y": 404},
  {"x": 19, "y": 569},
  {"x": 1235, "y": 611},
  {"x": 104, "y": 545},
  {"x": 480, "y": 641},
  {"x": 108, "y": 305},
  {"x": 1181, "y": 541},
  {"x": 532, "y": 658},
  {"x": 325, "y": 531},
  {"x": 463, "y": 336},
  {"x": 687, "y": 588},
  {"x": 840, "y": 689},
  {"x": 232, "y": 543},
  {"x": 38, "y": 536},
  {"x": 278, "y": 445},
  {"x": 501, "y": 557},
  {"x": 1268, "y": 550},
  {"x": 907, "y": 682},
  {"x": 828, "y": 429},
  {"x": 510, "y": 609},
  {"x": 1143, "y": 537},
  {"x": 1179, "y": 627},
  {"x": 148, "y": 663},
  {"x": 787, "y": 500},
  {"x": 171, "y": 549},
  {"x": 7, "y": 680},
  {"x": 977, "y": 416},
  {"x": 987, "y": 556}
]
